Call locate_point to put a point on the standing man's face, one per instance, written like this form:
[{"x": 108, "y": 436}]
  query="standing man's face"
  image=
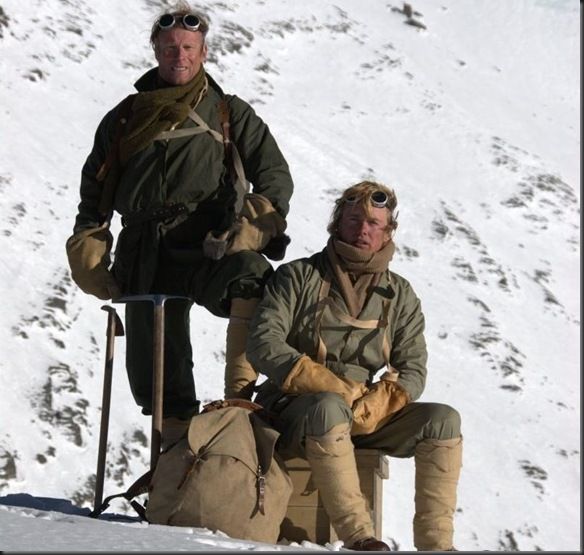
[
  {"x": 180, "y": 54},
  {"x": 367, "y": 232}
]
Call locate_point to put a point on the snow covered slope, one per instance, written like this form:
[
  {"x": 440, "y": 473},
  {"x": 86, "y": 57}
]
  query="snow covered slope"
[{"x": 474, "y": 120}]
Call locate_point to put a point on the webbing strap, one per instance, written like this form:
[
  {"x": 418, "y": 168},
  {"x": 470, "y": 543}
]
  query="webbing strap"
[
  {"x": 324, "y": 300},
  {"x": 139, "y": 487},
  {"x": 240, "y": 181}
]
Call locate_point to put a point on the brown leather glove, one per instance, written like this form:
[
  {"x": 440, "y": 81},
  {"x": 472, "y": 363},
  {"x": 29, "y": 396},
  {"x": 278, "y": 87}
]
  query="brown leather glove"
[
  {"x": 374, "y": 409},
  {"x": 88, "y": 252},
  {"x": 257, "y": 223},
  {"x": 308, "y": 376}
]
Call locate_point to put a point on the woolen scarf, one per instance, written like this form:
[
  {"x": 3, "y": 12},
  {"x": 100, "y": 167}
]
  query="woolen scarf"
[
  {"x": 357, "y": 271},
  {"x": 159, "y": 110}
]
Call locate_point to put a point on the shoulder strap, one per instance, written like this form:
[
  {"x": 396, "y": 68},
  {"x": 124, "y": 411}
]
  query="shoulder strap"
[
  {"x": 139, "y": 487},
  {"x": 234, "y": 163}
]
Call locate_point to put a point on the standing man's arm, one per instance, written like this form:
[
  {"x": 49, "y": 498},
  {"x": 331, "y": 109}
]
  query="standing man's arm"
[
  {"x": 90, "y": 189},
  {"x": 263, "y": 162},
  {"x": 88, "y": 249}
]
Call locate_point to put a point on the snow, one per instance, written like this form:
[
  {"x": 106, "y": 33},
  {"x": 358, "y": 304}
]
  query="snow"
[{"x": 474, "y": 121}]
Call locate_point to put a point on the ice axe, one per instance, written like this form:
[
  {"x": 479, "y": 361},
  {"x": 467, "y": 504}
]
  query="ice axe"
[
  {"x": 158, "y": 366},
  {"x": 114, "y": 329}
]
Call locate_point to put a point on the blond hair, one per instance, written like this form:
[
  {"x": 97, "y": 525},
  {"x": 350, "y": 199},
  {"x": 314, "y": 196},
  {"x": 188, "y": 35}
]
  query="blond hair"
[
  {"x": 360, "y": 194},
  {"x": 180, "y": 8}
]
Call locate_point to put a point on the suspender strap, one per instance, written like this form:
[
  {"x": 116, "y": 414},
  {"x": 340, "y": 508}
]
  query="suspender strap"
[
  {"x": 235, "y": 165},
  {"x": 324, "y": 300}
]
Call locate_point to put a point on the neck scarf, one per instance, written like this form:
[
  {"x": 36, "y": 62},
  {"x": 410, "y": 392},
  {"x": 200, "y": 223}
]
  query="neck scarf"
[
  {"x": 159, "y": 110},
  {"x": 357, "y": 271}
]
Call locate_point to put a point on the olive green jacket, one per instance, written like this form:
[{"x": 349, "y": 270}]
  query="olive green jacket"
[
  {"x": 189, "y": 170},
  {"x": 283, "y": 329}
]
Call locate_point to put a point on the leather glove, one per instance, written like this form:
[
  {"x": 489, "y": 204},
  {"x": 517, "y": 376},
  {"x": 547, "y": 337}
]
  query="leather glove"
[
  {"x": 88, "y": 252},
  {"x": 257, "y": 223},
  {"x": 376, "y": 407},
  {"x": 308, "y": 376}
]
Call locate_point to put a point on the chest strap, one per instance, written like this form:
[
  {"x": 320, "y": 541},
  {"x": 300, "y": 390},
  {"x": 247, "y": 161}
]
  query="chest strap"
[
  {"x": 325, "y": 300},
  {"x": 235, "y": 167}
]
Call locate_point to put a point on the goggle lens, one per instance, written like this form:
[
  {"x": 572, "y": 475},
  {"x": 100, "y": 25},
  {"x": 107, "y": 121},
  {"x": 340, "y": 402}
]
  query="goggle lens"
[
  {"x": 377, "y": 198},
  {"x": 188, "y": 21}
]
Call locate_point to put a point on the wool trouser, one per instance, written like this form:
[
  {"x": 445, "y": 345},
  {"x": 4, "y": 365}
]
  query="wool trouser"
[
  {"x": 430, "y": 432},
  {"x": 208, "y": 283},
  {"x": 315, "y": 414}
]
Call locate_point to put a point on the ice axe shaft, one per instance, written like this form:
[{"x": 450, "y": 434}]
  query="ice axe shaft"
[
  {"x": 114, "y": 328},
  {"x": 158, "y": 367}
]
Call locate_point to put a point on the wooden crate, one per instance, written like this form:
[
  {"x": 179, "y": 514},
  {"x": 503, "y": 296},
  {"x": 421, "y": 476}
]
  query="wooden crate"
[{"x": 306, "y": 518}]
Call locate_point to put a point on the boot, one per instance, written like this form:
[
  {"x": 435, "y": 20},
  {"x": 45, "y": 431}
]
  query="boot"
[
  {"x": 334, "y": 473},
  {"x": 173, "y": 429},
  {"x": 369, "y": 544},
  {"x": 438, "y": 464},
  {"x": 240, "y": 377}
]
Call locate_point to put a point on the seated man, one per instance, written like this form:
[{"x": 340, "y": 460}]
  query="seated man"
[{"x": 324, "y": 328}]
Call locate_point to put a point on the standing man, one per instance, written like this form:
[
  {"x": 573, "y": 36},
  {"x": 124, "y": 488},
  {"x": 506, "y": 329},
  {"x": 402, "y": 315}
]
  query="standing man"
[
  {"x": 173, "y": 160},
  {"x": 324, "y": 328}
]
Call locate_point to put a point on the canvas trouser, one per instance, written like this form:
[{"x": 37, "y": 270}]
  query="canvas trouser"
[
  {"x": 315, "y": 414},
  {"x": 209, "y": 283}
]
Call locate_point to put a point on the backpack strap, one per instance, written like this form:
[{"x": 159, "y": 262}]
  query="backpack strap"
[
  {"x": 232, "y": 156},
  {"x": 139, "y": 487},
  {"x": 324, "y": 301},
  {"x": 234, "y": 163}
]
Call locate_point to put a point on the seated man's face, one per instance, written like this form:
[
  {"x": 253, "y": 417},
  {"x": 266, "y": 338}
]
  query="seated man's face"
[{"x": 367, "y": 232}]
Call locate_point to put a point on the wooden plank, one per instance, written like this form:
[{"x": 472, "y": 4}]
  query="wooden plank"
[{"x": 306, "y": 518}]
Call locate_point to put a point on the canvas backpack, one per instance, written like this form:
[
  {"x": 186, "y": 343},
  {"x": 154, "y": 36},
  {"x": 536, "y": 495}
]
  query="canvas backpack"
[{"x": 223, "y": 475}]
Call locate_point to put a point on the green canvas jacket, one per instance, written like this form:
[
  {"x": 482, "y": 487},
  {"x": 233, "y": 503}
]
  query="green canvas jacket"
[
  {"x": 284, "y": 328},
  {"x": 189, "y": 170}
]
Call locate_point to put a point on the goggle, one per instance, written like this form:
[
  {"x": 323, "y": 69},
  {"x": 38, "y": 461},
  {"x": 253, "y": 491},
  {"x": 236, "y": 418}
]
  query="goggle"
[
  {"x": 378, "y": 199},
  {"x": 188, "y": 21}
]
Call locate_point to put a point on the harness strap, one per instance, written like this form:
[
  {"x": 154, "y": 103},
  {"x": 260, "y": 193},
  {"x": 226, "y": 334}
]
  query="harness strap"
[
  {"x": 324, "y": 300},
  {"x": 232, "y": 154}
]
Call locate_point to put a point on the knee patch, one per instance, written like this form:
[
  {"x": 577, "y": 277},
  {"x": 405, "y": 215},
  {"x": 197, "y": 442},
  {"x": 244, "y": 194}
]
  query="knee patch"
[
  {"x": 326, "y": 411},
  {"x": 443, "y": 422}
]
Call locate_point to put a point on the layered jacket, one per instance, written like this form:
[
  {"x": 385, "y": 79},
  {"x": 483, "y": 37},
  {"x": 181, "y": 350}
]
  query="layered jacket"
[
  {"x": 291, "y": 321},
  {"x": 188, "y": 170}
]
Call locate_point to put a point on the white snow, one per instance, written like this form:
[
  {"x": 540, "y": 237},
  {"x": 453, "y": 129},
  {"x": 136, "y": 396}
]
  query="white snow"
[{"x": 474, "y": 121}]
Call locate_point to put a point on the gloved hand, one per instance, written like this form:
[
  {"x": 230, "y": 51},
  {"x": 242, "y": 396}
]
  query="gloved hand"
[
  {"x": 308, "y": 376},
  {"x": 88, "y": 252},
  {"x": 376, "y": 407},
  {"x": 257, "y": 223}
]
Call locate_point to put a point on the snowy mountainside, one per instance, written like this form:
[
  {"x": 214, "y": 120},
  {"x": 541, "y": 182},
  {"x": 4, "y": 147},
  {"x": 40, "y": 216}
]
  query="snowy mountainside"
[{"x": 473, "y": 120}]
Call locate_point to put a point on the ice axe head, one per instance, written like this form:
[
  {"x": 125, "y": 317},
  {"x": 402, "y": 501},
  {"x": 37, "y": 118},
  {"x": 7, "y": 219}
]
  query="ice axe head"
[{"x": 115, "y": 320}]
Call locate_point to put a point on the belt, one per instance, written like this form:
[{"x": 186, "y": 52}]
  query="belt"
[{"x": 162, "y": 213}]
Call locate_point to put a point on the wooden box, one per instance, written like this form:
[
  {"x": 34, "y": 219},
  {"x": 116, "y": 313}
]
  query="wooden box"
[{"x": 306, "y": 518}]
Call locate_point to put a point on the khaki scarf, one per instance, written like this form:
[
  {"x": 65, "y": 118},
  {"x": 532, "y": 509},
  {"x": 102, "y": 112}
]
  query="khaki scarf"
[
  {"x": 357, "y": 271},
  {"x": 159, "y": 110}
]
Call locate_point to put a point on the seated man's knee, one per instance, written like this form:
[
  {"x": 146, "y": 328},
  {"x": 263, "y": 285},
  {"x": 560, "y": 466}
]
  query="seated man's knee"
[
  {"x": 326, "y": 411},
  {"x": 443, "y": 422}
]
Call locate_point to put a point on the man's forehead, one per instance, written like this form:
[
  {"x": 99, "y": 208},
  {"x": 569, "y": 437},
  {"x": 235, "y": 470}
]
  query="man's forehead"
[
  {"x": 179, "y": 36},
  {"x": 358, "y": 210}
]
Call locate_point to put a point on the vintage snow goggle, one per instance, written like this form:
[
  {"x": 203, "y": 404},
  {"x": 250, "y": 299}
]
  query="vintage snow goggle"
[
  {"x": 377, "y": 198},
  {"x": 188, "y": 21}
]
